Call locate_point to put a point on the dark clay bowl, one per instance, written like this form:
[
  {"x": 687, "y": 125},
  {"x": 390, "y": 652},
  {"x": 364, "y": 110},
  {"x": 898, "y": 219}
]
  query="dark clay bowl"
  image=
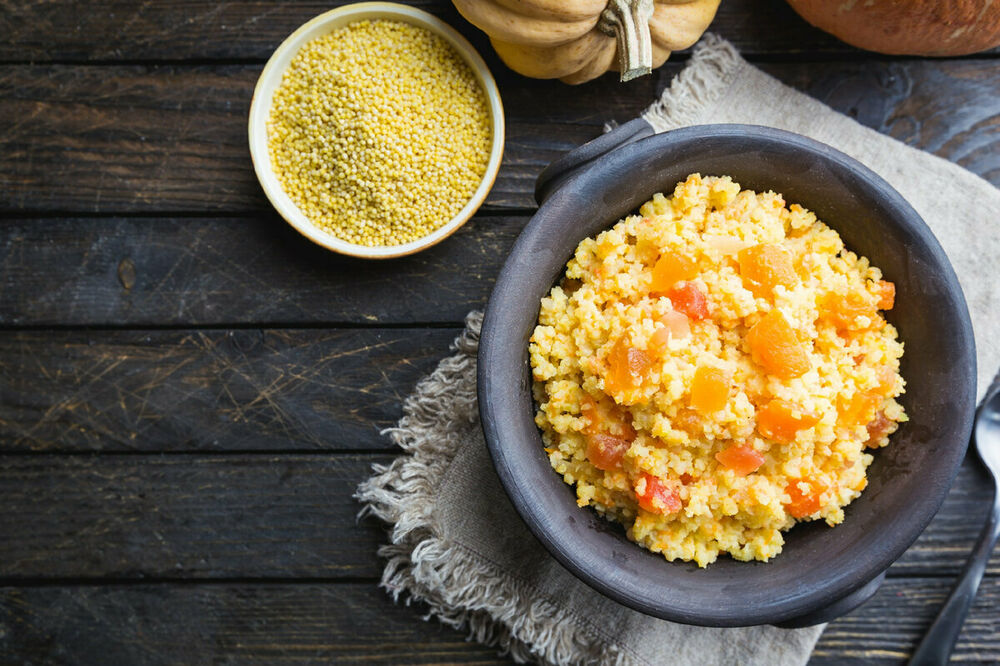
[{"x": 822, "y": 572}]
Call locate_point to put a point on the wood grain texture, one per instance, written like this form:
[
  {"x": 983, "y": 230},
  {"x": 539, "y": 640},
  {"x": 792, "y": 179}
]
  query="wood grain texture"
[
  {"x": 352, "y": 623},
  {"x": 173, "y": 138},
  {"x": 239, "y": 390},
  {"x": 185, "y": 517},
  {"x": 281, "y": 516},
  {"x": 251, "y": 29},
  {"x": 161, "y": 625},
  {"x": 913, "y": 107},
  {"x": 256, "y": 270},
  {"x": 154, "y": 138},
  {"x": 885, "y": 630}
]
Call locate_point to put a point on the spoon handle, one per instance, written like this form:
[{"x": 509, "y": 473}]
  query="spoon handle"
[{"x": 935, "y": 649}]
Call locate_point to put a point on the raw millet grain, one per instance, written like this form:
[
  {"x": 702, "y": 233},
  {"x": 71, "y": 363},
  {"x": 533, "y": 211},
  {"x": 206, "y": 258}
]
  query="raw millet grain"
[{"x": 379, "y": 132}]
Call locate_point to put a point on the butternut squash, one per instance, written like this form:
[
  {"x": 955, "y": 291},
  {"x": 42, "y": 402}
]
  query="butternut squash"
[{"x": 578, "y": 40}]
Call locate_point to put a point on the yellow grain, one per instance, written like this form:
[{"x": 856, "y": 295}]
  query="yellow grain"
[
  {"x": 612, "y": 301},
  {"x": 379, "y": 132}
]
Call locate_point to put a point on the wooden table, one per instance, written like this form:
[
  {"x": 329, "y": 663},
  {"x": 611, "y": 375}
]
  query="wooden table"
[{"x": 191, "y": 391}]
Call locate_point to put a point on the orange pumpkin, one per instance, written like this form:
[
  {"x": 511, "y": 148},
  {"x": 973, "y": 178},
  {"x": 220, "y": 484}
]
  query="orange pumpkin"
[
  {"x": 578, "y": 40},
  {"x": 908, "y": 27}
]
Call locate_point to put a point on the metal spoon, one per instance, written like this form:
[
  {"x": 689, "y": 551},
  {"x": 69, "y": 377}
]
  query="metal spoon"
[{"x": 937, "y": 645}]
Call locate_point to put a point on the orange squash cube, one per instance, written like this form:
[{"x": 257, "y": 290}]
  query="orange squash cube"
[
  {"x": 686, "y": 297},
  {"x": 859, "y": 409},
  {"x": 887, "y": 295},
  {"x": 709, "y": 389},
  {"x": 670, "y": 269},
  {"x": 742, "y": 459},
  {"x": 775, "y": 347},
  {"x": 627, "y": 368},
  {"x": 765, "y": 266},
  {"x": 654, "y": 496},
  {"x": 844, "y": 312},
  {"x": 803, "y": 503},
  {"x": 780, "y": 420},
  {"x": 606, "y": 452}
]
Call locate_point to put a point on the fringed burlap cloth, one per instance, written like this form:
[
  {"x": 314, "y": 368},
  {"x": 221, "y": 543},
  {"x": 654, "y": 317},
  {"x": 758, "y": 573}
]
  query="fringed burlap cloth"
[{"x": 457, "y": 543}]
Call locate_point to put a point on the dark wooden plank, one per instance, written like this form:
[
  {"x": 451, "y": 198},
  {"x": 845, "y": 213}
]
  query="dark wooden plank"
[
  {"x": 126, "y": 138},
  {"x": 251, "y": 29},
  {"x": 138, "y": 138},
  {"x": 357, "y": 623},
  {"x": 180, "y": 30},
  {"x": 888, "y": 627},
  {"x": 947, "y": 541},
  {"x": 209, "y": 390},
  {"x": 906, "y": 100},
  {"x": 185, "y": 516},
  {"x": 198, "y": 271},
  {"x": 242, "y": 515},
  {"x": 173, "y": 138},
  {"x": 166, "y": 625}
]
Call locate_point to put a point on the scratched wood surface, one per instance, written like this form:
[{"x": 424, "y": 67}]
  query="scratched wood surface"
[
  {"x": 190, "y": 392},
  {"x": 242, "y": 620},
  {"x": 233, "y": 516},
  {"x": 172, "y": 138}
]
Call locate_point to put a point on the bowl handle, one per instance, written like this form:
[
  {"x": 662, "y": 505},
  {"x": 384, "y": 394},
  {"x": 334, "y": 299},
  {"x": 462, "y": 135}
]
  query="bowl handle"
[
  {"x": 558, "y": 172},
  {"x": 837, "y": 608}
]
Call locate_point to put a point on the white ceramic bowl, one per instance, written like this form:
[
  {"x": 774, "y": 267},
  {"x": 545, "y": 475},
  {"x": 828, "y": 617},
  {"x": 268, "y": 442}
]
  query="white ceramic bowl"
[{"x": 270, "y": 79}]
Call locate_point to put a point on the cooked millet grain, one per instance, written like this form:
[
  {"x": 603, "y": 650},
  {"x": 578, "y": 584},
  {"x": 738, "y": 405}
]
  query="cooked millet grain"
[{"x": 379, "y": 132}]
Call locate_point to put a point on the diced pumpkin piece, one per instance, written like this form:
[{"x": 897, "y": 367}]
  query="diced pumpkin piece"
[
  {"x": 774, "y": 346},
  {"x": 765, "y": 266},
  {"x": 780, "y": 420},
  {"x": 606, "y": 452},
  {"x": 877, "y": 428},
  {"x": 709, "y": 389},
  {"x": 859, "y": 409},
  {"x": 670, "y": 269},
  {"x": 627, "y": 367},
  {"x": 803, "y": 502},
  {"x": 686, "y": 297},
  {"x": 844, "y": 312},
  {"x": 742, "y": 459},
  {"x": 605, "y": 417},
  {"x": 654, "y": 496},
  {"x": 886, "y": 295}
]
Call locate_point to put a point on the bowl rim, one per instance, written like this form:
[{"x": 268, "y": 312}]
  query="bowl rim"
[
  {"x": 497, "y": 346},
  {"x": 270, "y": 78}
]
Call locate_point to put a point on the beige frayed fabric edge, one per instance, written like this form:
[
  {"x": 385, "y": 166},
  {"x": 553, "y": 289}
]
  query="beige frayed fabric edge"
[
  {"x": 459, "y": 588},
  {"x": 713, "y": 65}
]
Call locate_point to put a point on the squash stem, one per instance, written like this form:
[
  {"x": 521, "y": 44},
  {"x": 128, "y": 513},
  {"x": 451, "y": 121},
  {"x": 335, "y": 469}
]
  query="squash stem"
[{"x": 628, "y": 22}]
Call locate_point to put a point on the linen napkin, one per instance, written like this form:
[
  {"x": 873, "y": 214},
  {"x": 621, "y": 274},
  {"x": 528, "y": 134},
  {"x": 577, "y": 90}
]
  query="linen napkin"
[{"x": 457, "y": 543}]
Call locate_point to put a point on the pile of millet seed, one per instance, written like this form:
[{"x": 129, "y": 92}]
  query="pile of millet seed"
[{"x": 379, "y": 132}]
